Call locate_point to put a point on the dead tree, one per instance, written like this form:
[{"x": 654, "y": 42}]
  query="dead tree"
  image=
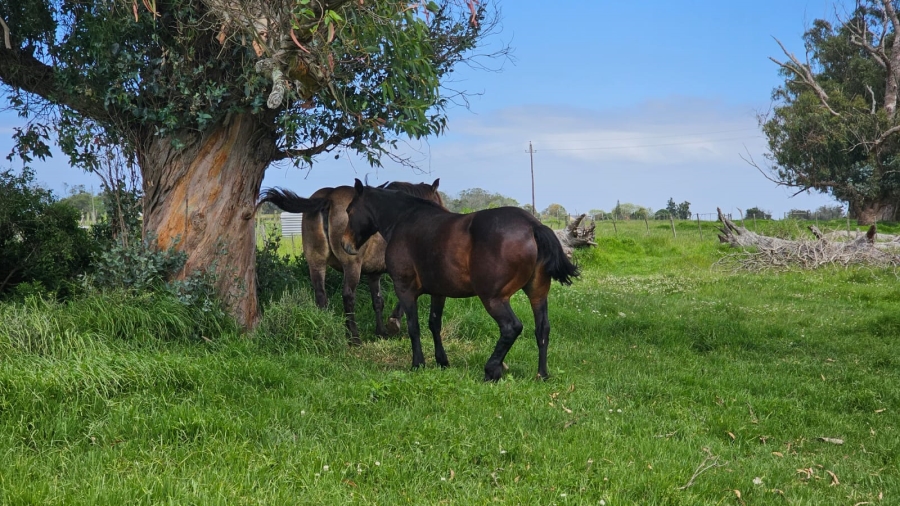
[
  {"x": 573, "y": 237},
  {"x": 764, "y": 253}
]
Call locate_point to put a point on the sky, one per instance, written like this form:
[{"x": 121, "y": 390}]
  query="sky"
[{"x": 631, "y": 102}]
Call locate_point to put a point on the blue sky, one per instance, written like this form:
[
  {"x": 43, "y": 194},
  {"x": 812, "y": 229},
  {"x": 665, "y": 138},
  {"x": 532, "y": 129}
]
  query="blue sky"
[{"x": 623, "y": 101}]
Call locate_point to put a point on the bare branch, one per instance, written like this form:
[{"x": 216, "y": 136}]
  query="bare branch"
[
  {"x": 753, "y": 163},
  {"x": 860, "y": 37},
  {"x": 891, "y": 13},
  {"x": 5, "y": 34},
  {"x": 872, "y": 94},
  {"x": 709, "y": 462},
  {"x": 805, "y": 74},
  {"x": 887, "y": 133}
]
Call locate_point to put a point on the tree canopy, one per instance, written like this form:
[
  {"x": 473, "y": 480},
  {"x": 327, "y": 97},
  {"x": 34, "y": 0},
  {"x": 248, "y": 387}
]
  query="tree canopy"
[
  {"x": 834, "y": 127},
  {"x": 202, "y": 95},
  {"x": 680, "y": 211},
  {"x": 327, "y": 73},
  {"x": 476, "y": 199}
]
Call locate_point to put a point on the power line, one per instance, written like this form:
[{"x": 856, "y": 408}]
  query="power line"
[
  {"x": 667, "y": 136},
  {"x": 654, "y": 145}
]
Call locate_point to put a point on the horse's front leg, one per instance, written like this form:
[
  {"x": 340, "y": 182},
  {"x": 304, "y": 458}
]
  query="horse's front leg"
[
  {"x": 351, "y": 280},
  {"x": 410, "y": 304},
  {"x": 434, "y": 324},
  {"x": 510, "y": 328}
]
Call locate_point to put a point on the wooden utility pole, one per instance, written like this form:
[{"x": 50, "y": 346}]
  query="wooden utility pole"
[{"x": 531, "y": 155}]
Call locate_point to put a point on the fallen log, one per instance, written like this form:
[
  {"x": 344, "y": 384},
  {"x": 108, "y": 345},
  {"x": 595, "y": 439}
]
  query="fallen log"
[
  {"x": 573, "y": 237},
  {"x": 763, "y": 252}
]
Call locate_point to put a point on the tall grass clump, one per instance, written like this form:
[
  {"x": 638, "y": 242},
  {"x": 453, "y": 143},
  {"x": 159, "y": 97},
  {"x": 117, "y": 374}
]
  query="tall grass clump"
[
  {"x": 293, "y": 322},
  {"x": 96, "y": 321},
  {"x": 37, "y": 326}
]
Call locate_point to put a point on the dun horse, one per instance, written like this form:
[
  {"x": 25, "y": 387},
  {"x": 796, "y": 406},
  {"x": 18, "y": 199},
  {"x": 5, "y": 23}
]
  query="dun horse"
[
  {"x": 490, "y": 254},
  {"x": 324, "y": 221}
]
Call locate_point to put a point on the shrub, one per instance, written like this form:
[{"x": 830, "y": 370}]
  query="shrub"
[{"x": 42, "y": 248}]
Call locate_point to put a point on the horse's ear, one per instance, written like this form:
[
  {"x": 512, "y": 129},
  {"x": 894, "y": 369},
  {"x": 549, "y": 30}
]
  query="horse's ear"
[
  {"x": 358, "y": 185},
  {"x": 435, "y": 184}
]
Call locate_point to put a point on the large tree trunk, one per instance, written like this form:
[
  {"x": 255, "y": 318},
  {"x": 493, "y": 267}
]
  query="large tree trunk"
[
  {"x": 200, "y": 198},
  {"x": 869, "y": 213}
]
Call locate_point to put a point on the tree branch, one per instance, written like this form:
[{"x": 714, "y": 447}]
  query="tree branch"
[
  {"x": 333, "y": 141},
  {"x": 5, "y": 34},
  {"x": 860, "y": 37},
  {"x": 805, "y": 74},
  {"x": 23, "y": 71},
  {"x": 887, "y": 133}
]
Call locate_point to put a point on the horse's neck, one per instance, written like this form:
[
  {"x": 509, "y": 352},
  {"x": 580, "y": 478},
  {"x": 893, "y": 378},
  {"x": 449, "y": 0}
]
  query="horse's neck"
[{"x": 391, "y": 214}]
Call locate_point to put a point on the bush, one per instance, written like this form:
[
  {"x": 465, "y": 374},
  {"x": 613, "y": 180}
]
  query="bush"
[{"x": 42, "y": 248}]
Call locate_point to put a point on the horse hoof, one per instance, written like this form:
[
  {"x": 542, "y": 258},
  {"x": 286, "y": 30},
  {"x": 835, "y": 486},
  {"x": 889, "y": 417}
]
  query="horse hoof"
[
  {"x": 393, "y": 326},
  {"x": 354, "y": 341},
  {"x": 493, "y": 373}
]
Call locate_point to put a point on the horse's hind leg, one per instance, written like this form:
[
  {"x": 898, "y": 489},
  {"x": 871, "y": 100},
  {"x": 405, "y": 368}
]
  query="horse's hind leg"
[
  {"x": 541, "y": 333},
  {"x": 434, "y": 324},
  {"x": 510, "y": 328},
  {"x": 377, "y": 303},
  {"x": 351, "y": 280},
  {"x": 537, "y": 291},
  {"x": 317, "y": 276},
  {"x": 393, "y": 323}
]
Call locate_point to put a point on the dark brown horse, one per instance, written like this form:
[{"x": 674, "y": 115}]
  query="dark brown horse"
[
  {"x": 324, "y": 221},
  {"x": 490, "y": 254}
]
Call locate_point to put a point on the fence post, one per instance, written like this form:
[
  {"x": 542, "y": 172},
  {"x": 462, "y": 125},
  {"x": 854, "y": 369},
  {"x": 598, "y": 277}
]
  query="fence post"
[
  {"x": 614, "y": 225},
  {"x": 672, "y": 221},
  {"x": 647, "y": 224},
  {"x": 700, "y": 228}
]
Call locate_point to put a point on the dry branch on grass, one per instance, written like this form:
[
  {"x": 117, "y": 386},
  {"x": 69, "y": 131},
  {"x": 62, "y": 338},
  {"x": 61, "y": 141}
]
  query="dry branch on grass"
[
  {"x": 709, "y": 462},
  {"x": 573, "y": 237},
  {"x": 774, "y": 253}
]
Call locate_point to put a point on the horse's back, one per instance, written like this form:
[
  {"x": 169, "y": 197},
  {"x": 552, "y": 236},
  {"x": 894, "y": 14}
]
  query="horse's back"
[
  {"x": 322, "y": 235},
  {"x": 503, "y": 228}
]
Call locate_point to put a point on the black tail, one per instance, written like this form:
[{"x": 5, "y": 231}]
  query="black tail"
[
  {"x": 551, "y": 254},
  {"x": 289, "y": 201}
]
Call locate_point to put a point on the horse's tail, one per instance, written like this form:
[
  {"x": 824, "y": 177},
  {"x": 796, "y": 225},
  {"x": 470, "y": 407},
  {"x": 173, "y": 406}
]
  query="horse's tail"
[
  {"x": 289, "y": 201},
  {"x": 552, "y": 256}
]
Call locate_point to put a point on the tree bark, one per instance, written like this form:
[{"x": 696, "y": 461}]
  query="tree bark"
[
  {"x": 200, "y": 198},
  {"x": 869, "y": 213}
]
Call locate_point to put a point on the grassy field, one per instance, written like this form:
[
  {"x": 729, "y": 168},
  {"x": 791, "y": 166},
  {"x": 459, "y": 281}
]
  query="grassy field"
[{"x": 672, "y": 382}]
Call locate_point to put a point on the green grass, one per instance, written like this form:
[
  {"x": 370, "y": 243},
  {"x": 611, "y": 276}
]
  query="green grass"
[{"x": 656, "y": 359}]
